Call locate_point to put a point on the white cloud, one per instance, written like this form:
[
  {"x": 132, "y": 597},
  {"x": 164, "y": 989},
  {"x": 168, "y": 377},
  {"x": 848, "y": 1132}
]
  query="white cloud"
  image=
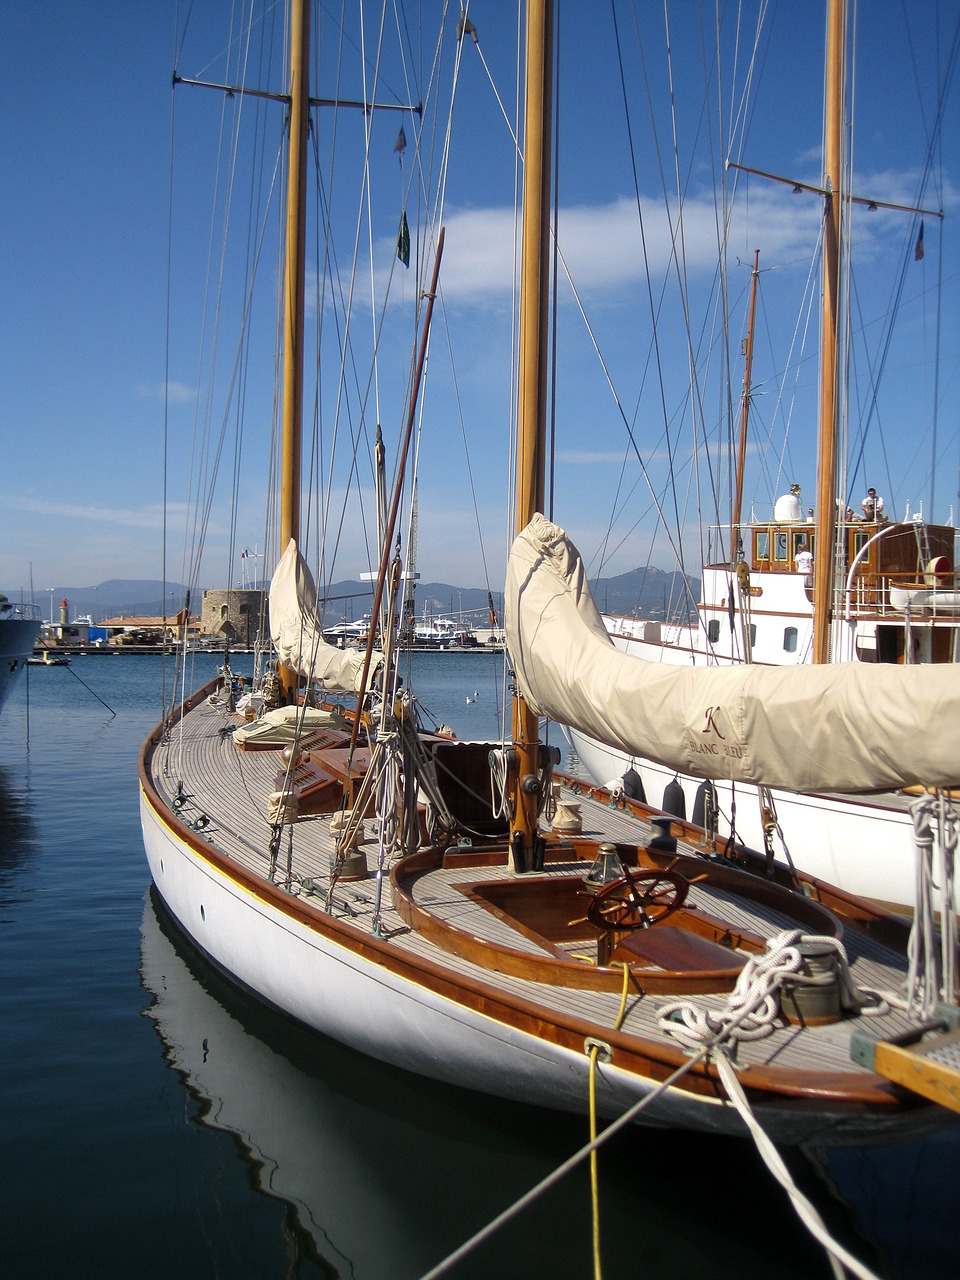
[
  {"x": 148, "y": 517},
  {"x": 602, "y": 245},
  {"x": 173, "y": 392}
]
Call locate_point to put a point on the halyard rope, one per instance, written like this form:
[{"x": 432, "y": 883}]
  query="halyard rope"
[{"x": 932, "y": 975}]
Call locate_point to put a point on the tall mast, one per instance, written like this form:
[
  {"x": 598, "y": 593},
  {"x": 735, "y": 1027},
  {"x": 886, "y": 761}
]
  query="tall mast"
[
  {"x": 745, "y": 405},
  {"x": 293, "y": 308},
  {"x": 532, "y": 373},
  {"x": 829, "y": 359}
]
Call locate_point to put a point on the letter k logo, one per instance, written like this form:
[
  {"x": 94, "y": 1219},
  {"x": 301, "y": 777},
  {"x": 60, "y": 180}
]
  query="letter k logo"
[{"x": 710, "y": 725}]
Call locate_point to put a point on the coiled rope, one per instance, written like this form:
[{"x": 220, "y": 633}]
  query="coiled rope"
[
  {"x": 750, "y": 1013},
  {"x": 753, "y": 1007}
]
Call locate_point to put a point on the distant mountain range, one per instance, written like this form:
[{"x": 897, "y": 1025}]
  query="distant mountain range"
[{"x": 648, "y": 593}]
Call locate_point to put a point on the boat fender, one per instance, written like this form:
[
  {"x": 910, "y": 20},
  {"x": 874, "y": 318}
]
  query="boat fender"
[
  {"x": 705, "y": 805},
  {"x": 633, "y": 786},
  {"x": 674, "y": 801}
]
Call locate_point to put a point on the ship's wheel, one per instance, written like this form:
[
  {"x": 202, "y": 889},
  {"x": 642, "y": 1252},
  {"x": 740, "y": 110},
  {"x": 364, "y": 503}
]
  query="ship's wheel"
[{"x": 638, "y": 900}]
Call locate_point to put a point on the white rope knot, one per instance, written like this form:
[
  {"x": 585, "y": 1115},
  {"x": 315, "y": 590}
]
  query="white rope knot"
[{"x": 752, "y": 1010}]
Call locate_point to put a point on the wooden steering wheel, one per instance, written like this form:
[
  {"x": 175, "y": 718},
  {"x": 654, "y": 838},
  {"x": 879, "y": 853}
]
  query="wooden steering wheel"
[{"x": 638, "y": 900}]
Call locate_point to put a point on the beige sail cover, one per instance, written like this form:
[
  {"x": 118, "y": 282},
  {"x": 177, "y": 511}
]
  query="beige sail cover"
[
  {"x": 847, "y": 727},
  {"x": 286, "y": 725},
  {"x": 295, "y": 628}
]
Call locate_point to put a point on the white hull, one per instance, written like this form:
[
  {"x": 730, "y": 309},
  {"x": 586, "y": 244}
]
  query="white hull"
[
  {"x": 865, "y": 847},
  {"x": 335, "y": 989},
  {"x": 343, "y": 982}
]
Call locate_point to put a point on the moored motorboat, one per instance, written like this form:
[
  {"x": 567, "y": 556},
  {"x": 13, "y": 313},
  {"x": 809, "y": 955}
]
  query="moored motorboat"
[{"x": 19, "y": 628}]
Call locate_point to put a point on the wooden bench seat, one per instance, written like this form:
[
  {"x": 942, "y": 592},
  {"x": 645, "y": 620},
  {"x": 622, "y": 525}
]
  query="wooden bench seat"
[{"x": 677, "y": 950}]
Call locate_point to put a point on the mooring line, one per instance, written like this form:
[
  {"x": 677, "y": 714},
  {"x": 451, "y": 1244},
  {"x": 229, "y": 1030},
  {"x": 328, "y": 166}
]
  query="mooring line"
[{"x": 89, "y": 690}]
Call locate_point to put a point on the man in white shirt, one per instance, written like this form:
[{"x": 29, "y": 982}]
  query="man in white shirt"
[{"x": 872, "y": 506}]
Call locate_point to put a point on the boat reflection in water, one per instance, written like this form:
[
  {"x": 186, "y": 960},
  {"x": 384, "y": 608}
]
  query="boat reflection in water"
[{"x": 386, "y": 1173}]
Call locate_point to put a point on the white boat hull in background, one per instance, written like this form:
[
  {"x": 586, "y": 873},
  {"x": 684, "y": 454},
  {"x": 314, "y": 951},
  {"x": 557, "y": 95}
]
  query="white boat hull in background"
[
  {"x": 863, "y": 846},
  {"x": 17, "y": 637}
]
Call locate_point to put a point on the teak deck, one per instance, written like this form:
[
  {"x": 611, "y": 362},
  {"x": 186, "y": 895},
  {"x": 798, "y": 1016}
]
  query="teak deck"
[{"x": 463, "y": 903}]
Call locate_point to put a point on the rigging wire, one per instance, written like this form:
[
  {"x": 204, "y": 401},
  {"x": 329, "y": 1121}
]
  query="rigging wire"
[{"x": 928, "y": 172}]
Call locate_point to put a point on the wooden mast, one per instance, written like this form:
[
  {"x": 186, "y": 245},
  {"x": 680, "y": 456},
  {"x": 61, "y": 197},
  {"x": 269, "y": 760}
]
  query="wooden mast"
[
  {"x": 532, "y": 373},
  {"x": 829, "y": 360},
  {"x": 293, "y": 304}
]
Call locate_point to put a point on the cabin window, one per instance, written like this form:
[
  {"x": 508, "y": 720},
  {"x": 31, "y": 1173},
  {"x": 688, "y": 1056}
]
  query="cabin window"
[
  {"x": 713, "y": 630},
  {"x": 790, "y": 639},
  {"x": 763, "y": 544},
  {"x": 780, "y": 546}
]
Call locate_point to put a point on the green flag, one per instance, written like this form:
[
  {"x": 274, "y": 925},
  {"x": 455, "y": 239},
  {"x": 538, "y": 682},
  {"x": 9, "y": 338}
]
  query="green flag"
[{"x": 403, "y": 241}]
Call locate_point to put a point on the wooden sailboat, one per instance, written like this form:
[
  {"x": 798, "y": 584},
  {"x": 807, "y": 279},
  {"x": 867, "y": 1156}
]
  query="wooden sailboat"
[
  {"x": 361, "y": 879},
  {"x": 882, "y": 592}
]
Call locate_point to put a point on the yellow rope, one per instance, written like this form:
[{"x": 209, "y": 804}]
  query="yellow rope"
[
  {"x": 594, "y": 1184},
  {"x": 594, "y": 1180},
  {"x": 623, "y": 996}
]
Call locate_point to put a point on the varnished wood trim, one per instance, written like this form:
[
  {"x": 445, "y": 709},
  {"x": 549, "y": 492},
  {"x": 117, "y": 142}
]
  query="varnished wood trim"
[{"x": 646, "y": 1059}]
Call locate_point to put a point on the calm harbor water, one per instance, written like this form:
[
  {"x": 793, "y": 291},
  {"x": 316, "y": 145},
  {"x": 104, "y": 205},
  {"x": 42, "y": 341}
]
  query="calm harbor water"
[{"x": 157, "y": 1122}]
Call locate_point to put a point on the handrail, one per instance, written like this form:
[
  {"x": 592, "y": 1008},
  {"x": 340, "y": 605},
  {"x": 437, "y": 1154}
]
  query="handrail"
[{"x": 22, "y": 612}]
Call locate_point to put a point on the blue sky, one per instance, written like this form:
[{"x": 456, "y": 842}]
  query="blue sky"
[{"x": 85, "y": 106}]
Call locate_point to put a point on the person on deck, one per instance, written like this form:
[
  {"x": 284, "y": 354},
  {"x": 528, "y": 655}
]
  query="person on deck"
[
  {"x": 872, "y": 506},
  {"x": 803, "y": 559}
]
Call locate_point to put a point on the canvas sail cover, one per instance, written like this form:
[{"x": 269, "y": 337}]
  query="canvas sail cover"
[
  {"x": 295, "y": 628},
  {"x": 847, "y": 727}
]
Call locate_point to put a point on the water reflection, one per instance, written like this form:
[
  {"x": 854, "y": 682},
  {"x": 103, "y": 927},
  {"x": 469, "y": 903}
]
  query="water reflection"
[
  {"x": 18, "y": 832},
  {"x": 385, "y": 1173}
]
